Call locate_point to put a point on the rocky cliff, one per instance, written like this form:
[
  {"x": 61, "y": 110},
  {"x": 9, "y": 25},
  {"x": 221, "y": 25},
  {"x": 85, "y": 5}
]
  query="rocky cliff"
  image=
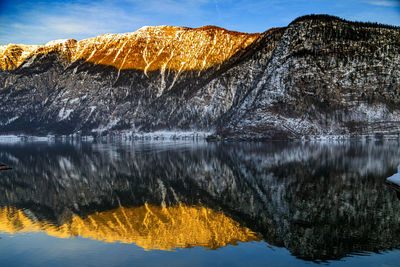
[{"x": 318, "y": 76}]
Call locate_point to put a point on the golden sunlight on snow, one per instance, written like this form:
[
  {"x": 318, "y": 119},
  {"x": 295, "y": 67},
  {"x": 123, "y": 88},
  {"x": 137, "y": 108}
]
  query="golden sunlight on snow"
[
  {"x": 13, "y": 55},
  {"x": 147, "y": 49}
]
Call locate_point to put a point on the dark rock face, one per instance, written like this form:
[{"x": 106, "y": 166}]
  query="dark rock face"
[
  {"x": 324, "y": 77},
  {"x": 318, "y": 76},
  {"x": 320, "y": 201}
]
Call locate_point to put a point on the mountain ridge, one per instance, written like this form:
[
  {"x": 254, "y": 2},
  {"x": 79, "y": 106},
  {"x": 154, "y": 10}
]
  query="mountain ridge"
[
  {"x": 130, "y": 50},
  {"x": 319, "y": 76}
]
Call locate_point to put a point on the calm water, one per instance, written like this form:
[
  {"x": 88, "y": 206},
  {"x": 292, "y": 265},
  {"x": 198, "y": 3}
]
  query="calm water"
[{"x": 199, "y": 204}]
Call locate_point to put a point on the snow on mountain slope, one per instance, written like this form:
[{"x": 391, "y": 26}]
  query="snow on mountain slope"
[{"x": 319, "y": 76}]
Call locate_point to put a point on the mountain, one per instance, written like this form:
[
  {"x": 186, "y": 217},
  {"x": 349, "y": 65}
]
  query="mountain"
[{"x": 320, "y": 75}]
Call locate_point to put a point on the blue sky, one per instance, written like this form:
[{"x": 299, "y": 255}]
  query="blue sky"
[{"x": 37, "y": 22}]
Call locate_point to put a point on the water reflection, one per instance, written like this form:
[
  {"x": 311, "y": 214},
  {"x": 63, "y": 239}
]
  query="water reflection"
[
  {"x": 150, "y": 227},
  {"x": 320, "y": 201}
]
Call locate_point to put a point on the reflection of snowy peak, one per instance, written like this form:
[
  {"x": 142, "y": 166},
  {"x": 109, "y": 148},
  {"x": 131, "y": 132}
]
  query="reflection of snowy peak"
[
  {"x": 302, "y": 197},
  {"x": 318, "y": 76},
  {"x": 151, "y": 227}
]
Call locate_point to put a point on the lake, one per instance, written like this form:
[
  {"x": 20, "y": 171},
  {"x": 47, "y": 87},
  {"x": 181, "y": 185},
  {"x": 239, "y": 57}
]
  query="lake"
[{"x": 199, "y": 204}]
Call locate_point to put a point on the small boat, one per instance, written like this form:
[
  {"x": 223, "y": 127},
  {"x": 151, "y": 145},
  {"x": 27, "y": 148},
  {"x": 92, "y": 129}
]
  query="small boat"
[{"x": 4, "y": 167}]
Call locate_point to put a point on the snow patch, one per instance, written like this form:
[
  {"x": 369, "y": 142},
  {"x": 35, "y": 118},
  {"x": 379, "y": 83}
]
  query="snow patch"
[
  {"x": 9, "y": 120},
  {"x": 9, "y": 139},
  {"x": 172, "y": 135},
  {"x": 75, "y": 100},
  {"x": 92, "y": 108},
  {"x": 64, "y": 113},
  {"x": 395, "y": 178},
  {"x": 56, "y": 42},
  {"x": 109, "y": 126}
]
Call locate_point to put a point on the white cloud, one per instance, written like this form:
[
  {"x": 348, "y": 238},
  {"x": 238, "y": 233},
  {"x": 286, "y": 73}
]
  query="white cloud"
[
  {"x": 40, "y": 23},
  {"x": 36, "y": 22},
  {"x": 386, "y": 3}
]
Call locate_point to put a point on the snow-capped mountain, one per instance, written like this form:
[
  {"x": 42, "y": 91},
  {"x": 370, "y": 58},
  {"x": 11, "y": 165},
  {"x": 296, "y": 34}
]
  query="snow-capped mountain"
[{"x": 320, "y": 75}]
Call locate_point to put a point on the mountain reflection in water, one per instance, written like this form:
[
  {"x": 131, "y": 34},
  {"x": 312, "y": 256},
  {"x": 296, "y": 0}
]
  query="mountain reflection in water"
[
  {"x": 320, "y": 201},
  {"x": 150, "y": 227}
]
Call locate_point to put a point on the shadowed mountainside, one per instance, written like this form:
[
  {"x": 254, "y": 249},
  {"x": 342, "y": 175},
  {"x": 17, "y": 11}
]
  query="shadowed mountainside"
[{"x": 321, "y": 75}]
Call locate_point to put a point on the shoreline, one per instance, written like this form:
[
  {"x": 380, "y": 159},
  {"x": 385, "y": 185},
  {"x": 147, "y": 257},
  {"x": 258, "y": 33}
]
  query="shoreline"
[{"x": 189, "y": 136}]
